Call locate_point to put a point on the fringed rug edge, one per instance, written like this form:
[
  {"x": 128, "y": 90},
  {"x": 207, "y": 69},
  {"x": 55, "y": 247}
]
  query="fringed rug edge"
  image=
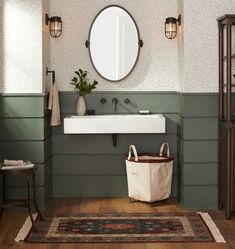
[
  {"x": 21, "y": 235},
  {"x": 212, "y": 227}
]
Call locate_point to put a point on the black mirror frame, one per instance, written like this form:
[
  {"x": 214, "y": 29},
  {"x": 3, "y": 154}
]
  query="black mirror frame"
[{"x": 140, "y": 42}]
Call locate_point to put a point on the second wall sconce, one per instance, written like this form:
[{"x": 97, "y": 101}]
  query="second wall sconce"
[
  {"x": 55, "y": 25},
  {"x": 171, "y": 27}
]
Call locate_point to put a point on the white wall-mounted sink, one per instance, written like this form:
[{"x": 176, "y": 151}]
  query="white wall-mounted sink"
[{"x": 115, "y": 124}]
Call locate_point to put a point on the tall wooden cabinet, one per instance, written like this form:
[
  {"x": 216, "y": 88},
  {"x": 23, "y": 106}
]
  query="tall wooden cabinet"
[{"x": 226, "y": 183}]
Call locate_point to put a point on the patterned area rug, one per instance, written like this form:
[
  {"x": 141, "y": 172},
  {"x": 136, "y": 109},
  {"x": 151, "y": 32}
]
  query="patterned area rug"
[{"x": 127, "y": 227}]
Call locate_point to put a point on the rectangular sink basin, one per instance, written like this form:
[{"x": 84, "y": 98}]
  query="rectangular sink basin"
[{"x": 115, "y": 124}]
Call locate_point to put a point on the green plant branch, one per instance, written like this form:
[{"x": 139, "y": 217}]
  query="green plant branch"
[{"x": 81, "y": 83}]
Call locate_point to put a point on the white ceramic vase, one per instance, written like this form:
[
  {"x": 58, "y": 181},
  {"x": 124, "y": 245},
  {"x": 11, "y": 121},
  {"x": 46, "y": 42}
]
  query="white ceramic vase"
[{"x": 81, "y": 106}]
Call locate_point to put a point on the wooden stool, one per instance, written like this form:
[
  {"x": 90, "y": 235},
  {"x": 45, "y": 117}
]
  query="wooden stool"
[{"x": 29, "y": 172}]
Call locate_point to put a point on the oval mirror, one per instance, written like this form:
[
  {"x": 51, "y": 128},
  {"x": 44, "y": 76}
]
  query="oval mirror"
[{"x": 114, "y": 43}]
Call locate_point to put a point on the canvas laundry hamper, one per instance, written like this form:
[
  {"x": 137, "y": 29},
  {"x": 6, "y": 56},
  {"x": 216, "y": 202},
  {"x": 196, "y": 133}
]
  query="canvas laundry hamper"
[{"x": 149, "y": 176}]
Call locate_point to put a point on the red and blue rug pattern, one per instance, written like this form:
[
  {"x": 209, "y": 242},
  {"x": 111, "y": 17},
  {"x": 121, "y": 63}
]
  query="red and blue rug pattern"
[{"x": 126, "y": 227}]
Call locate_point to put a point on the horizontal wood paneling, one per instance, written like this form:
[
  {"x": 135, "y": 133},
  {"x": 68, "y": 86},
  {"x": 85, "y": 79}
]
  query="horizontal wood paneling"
[
  {"x": 200, "y": 174},
  {"x": 21, "y": 106},
  {"x": 200, "y": 128},
  {"x": 92, "y": 164},
  {"x": 199, "y": 151},
  {"x": 94, "y": 186},
  {"x": 91, "y": 144},
  {"x": 173, "y": 123},
  {"x": 89, "y": 165},
  {"x": 196, "y": 125},
  {"x": 47, "y": 148},
  {"x": 77, "y": 186},
  {"x": 200, "y": 197},
  {"x": 35, "y": 151},
  {"x": 94, "y": 157},
  {"x": 199, "y": 105},
  {"x": 25, "y": 134},
  {"x": 197, "y": 145},
  {"x": 83, "y": 156},
  {"x": 47, "y": 127},
  {"x": 12, "y": 129}
]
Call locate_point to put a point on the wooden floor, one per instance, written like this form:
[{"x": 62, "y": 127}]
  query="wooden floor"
[{"x": 13, "y": 220}]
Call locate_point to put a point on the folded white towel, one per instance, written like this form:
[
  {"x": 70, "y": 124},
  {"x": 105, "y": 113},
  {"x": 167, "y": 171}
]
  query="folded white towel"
[
  {"x": 13, "y": 162},
  {"x": 54, "y": 105}
]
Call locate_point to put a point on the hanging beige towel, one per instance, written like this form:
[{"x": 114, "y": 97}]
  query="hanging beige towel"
[{"x": 54, "y": 105}]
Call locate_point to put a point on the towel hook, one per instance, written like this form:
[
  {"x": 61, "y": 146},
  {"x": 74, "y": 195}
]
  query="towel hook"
[{"x": 53, "y": 75}]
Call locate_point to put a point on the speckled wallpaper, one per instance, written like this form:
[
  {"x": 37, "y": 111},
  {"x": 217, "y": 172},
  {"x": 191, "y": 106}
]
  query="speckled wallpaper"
[
  {"x": 46, "y": 80},
  {"x": 201, "y": 43},
  {"x": 157, "y": 68},
  {"x": 188, "y": 63},
  {"x": 180, "y": 45},
  {"x": 20, "y": 46}
]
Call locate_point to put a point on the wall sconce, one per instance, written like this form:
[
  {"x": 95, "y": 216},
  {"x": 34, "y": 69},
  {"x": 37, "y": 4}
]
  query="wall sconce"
[
  {"x": 55, "y": 25},
  {"x": 171, "y": 27}
]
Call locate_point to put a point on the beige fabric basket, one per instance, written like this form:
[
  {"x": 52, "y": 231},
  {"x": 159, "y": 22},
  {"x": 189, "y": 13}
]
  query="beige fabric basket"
[{"x": 149, "y": 175}]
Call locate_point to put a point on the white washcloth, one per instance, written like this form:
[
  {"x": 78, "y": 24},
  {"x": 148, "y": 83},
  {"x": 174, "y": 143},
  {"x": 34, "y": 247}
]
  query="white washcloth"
[
  {"x": 54, "y": 105},
  {"x": 13, "y": 162}
]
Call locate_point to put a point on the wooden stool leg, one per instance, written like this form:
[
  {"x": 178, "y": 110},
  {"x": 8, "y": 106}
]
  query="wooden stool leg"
[
  {"x": 3, "y": 193},
  {"x": 35, "y": 197},
  {"x": 29, "y": 204}
]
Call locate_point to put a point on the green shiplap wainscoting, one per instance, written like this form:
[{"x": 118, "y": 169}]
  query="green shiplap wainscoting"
[
  {"x": 198, "y": 141},
  {"x": 25, "y": 134},
  {"x": 89, "y": 165}
]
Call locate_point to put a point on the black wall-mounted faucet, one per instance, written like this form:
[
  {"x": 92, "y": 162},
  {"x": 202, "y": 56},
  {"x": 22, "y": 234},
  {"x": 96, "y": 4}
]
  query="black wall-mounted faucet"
[{"x": 115, "y": 102}]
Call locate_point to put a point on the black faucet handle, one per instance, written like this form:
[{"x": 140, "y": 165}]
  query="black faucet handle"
[
  {"x": 103, "y": 101},
  {"x": 127, "y": 101}
]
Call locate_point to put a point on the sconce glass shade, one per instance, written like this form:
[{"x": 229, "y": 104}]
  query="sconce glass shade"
[
  {"x": 55, "y": 26},
  {"x": 171, "y": 27}
]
